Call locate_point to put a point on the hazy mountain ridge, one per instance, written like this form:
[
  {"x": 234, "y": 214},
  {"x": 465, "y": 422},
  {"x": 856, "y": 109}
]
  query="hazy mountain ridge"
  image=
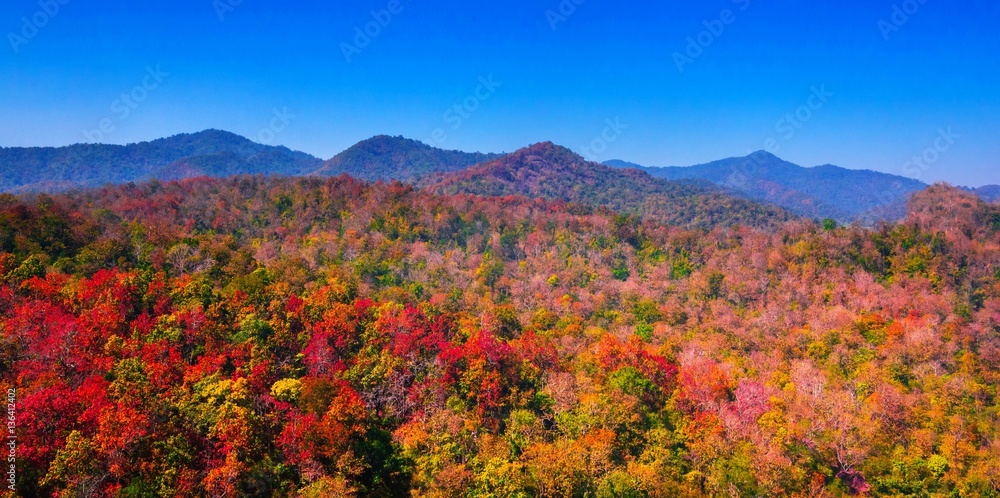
[
  {"x": 549, "y": 171},
  {"x": 825, "y": 191},
  {"x": 206, "y": 153},
  {"x": 989, "y": 193}
]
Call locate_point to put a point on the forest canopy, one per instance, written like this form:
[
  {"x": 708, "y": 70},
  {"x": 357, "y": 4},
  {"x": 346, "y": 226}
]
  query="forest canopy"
[{"x": 256, "y": 336}]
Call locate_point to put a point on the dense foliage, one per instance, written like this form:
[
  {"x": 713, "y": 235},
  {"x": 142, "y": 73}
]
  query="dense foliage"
[
  {"x": 397, "y": 158},
  {"x": 548, "y": 171},
  {"x": 255, "y": 337}
]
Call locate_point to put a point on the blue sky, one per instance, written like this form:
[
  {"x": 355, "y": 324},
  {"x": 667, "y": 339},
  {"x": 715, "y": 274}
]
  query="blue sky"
[{"x": 605, "y": 81}]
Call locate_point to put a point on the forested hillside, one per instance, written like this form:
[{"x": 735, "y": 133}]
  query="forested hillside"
[
  {"x": 552, "y": 172},
  {"x": 753, "y": 190},
  {"x": 207, "y": 153},
  {"x": 397, "y": 158},
  {"x": 325, "y": 337}
]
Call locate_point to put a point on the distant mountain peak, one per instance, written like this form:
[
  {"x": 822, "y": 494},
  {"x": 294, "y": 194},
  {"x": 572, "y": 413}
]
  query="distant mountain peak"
[
  {"x": 544, "y": 146},
  {"x": 389, "y": 139},
  {"x": 209, "y": 152},
  {"x": 209, "y": 134},
  {"x": 821, "y": 192},
  {"x": 385, "y": 157},
  {"x": 763, "y": 154},
  {"x": 549, "y": 151},
  {"x": 550, "y": 171},
  {"x": 217, "y": 132}
]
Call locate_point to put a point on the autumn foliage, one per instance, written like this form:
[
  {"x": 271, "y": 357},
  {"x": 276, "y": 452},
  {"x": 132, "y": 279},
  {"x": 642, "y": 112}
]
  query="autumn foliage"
[{"x": 307, "y": 337}]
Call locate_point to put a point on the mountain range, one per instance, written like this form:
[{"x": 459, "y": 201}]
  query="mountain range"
[
  {"x": 989, "y": 193},
  {"x": 549, "y": 171},
  {"x": 821, "y": 192},
  {"x": 207, "y": 153},
  {"x": 755, "y": 189}
]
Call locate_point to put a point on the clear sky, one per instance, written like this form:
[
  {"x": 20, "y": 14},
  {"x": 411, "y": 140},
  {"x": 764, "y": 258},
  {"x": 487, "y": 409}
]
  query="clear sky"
[{"x": 889, "y": 85}]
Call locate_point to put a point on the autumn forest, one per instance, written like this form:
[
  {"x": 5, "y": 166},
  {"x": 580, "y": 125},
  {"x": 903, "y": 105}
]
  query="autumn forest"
[{"x": 255, "y": 336}]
